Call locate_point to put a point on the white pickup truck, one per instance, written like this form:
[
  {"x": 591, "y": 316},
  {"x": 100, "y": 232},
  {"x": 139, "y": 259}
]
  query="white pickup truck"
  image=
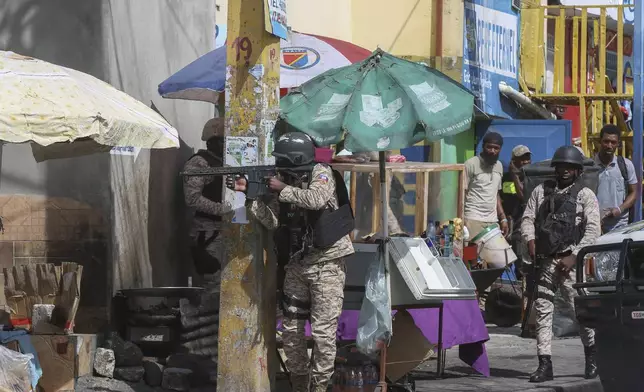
[
  {"x": 610, "y": 276},
  {"x": 601, "y": 261}
]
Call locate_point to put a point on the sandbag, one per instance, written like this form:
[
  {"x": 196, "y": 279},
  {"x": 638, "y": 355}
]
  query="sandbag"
[{"x": 537, "y": 173}]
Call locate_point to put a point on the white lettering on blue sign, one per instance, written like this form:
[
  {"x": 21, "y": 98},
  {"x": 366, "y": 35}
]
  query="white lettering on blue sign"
[{"x": 491, "y": 41}]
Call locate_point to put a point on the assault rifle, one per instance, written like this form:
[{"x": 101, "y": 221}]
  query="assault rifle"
[
  {"x": 534, "y": 275},
  {"x": 256, "y": 176}
]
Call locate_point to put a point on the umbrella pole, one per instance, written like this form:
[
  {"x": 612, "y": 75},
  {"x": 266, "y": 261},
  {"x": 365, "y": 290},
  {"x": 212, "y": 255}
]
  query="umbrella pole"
[{"x": 382, "y": 383}]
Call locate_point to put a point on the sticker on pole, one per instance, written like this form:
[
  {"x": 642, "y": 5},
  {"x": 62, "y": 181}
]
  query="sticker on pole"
[{"x": 638, "y": 315}]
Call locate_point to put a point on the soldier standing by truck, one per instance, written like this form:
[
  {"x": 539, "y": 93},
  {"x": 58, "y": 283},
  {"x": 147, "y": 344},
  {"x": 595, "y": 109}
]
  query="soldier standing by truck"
[{"x": 561, "y": 217}]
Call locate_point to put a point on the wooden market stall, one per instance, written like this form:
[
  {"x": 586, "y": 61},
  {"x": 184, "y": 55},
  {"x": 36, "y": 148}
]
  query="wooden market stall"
[
  {"x": 425, "y": 173},
  {"x": 428, "y": 190}
]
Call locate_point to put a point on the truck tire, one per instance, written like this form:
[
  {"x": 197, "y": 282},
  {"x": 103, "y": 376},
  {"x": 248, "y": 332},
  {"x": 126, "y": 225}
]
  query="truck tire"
[{"x": 503, "y": 306}]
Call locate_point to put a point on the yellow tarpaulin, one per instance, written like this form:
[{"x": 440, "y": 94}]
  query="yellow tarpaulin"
[{"x": 46, "y": 103}]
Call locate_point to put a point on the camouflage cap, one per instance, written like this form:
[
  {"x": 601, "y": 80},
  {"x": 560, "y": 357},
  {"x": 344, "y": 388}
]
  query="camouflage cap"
[{"x": 520, "y": 151}]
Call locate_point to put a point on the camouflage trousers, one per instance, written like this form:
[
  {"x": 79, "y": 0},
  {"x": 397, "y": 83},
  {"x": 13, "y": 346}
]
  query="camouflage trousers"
[
  {"x": 215, "y": 249},
  {"x": 551, "y": 280},
  {"x": 312, "y": 292}
]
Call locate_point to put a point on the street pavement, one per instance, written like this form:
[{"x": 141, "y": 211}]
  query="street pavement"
[{"x": 512, "y": 359}]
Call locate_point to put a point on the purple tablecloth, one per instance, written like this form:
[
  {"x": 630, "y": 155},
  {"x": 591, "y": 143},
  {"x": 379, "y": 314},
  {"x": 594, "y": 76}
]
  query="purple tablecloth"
[{"x": 463, "y": 326}]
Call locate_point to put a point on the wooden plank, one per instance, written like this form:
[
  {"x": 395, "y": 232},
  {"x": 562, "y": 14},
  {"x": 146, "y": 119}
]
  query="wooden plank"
[
  {"x": 575, "y": 54},
  {"x": 620, "y": 51},
  {"x": 560, "y": 37},
  {"x": 405, "y": 167},
  {"x": 602, "y": 52},
  {"x": 460, "y": 205},
  {"x": 583, "y": 72},
  {"x": 422, "y": 204},
  {"x": 541, "y": 52},
  {"x": 583, "y": 124},
  {"x": 596, "y": 47},
  {"x": 353, "y": 191},
  {"x": 376, "y": 216}
]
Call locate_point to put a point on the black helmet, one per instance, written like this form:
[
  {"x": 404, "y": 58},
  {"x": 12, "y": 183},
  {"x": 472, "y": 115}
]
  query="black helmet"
[
  {"x": 568, "y": 154},
  {"x": 296, "y": 148}
]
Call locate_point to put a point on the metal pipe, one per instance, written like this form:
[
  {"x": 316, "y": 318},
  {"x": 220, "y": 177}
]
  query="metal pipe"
[
  {"x": 638, "y": 123},
  {"x": 384, "y": 199},
  {"x": 525, "y": 101}
]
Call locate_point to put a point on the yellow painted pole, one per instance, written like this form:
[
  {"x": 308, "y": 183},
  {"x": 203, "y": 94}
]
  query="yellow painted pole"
[
  {"x": 583, "y": 73},
  {"x": 248, "y": 287}
]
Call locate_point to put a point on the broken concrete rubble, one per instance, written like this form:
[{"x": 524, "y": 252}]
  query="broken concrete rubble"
[
  {"x": 126, "y": 353},
  {"x": 176, "y": 379},
  {"x": 104, "y": 362},
  {"x": 130, "y": 373},
  {"x": 201, "y": 366},
  {"x": 153, "y": 373}
]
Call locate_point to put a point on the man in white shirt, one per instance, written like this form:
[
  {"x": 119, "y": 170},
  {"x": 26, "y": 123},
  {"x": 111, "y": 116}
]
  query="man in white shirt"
[{"x": 483, "y": 183}]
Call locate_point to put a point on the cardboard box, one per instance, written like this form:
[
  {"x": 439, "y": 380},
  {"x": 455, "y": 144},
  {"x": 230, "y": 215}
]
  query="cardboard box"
[
  {"x": 408, "y": 347},
  {"x": 13, "y": 345},
  {"x": 63, "y": 359},
  {"x": 30, "y": 284}
]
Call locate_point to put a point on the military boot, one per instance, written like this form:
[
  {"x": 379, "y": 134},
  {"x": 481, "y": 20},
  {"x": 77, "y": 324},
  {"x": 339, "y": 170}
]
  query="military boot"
[
  {"x": 544, "y": 371},
  {"x": 590, "y": 371},
  {"x": 299, "y": 383}
]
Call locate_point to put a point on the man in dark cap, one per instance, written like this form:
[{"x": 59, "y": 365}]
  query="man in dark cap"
[{"x": 483, "y": 180}]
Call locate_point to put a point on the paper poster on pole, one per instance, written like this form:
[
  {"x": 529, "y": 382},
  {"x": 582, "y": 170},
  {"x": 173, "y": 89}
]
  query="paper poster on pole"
[
  {"x": 275, "y": 18},
  {"x": 241, "y": 151},
  {"x": 268, "y": 126},
  {"x": 239, "y": 205}
]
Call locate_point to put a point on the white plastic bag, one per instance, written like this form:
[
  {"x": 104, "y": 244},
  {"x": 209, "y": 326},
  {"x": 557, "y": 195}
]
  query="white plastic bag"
[
  {"x": 374, "y": 323},
  {"x": 14, "y": 371}
]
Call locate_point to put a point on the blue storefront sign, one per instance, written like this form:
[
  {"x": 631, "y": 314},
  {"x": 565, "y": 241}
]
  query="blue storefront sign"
[{"x": 491, "y": 53}]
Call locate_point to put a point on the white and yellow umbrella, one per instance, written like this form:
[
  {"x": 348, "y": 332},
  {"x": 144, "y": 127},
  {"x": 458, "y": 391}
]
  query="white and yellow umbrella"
[{"x": 45, "y": 103}]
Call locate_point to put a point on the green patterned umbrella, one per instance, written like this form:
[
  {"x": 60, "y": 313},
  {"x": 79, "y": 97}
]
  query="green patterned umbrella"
[{"x": 382, "y": 103}]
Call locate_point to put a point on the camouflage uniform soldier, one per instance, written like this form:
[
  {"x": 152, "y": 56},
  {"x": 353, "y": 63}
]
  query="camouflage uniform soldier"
[
  {"x": 314, "y": 282},
  {"x": 204, "y": 196},
  {"x": 561, "y": 217}
]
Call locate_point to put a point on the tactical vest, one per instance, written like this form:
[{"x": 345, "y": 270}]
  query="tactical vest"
[
  {"x": 212, "y": 190},
  {"x": 300, "y": 230},
  {"x": 556, "y": 227}
]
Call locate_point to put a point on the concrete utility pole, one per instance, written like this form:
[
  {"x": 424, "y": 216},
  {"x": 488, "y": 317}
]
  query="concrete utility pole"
[{"x": 248, "y": 289}]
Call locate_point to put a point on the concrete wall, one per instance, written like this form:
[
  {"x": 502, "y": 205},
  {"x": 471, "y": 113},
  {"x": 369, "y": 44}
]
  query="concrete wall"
[
  {"x": 402, "y": 28},
  {"x": 121, "y": 216}
]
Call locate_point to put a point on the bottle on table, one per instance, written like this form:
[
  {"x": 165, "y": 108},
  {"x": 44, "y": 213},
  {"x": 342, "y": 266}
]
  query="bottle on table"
[
  {"x": 452, "y": 230},
  {"x": 360, "y": 387},
  {"x": 351, "y": 381},
  {"x": 371, "y": 377},
  {"x": 431, "y": 232},
  {"x": 430, "y": 237},
  {"x": 339, "y": 379},
  {"x": 447, "y": 247}
]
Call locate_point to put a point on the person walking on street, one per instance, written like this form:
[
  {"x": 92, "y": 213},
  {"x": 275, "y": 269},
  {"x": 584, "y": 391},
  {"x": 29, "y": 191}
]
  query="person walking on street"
[
  {"x": 560, "y": 218},
  {"x": 617, "y": 189},
  {"x": 315, "y": 272},
  {"x": 483, "y": 177}
]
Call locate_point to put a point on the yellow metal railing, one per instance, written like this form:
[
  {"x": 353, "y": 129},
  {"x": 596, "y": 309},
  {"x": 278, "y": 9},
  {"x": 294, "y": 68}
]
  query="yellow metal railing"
[
  {"x": 581, "y": 41},
  {"x": 588, "y": 46}
]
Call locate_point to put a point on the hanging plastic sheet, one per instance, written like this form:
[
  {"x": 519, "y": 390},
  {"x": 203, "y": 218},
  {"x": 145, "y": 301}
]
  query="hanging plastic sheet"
[{"x": 374, "y": 323}]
